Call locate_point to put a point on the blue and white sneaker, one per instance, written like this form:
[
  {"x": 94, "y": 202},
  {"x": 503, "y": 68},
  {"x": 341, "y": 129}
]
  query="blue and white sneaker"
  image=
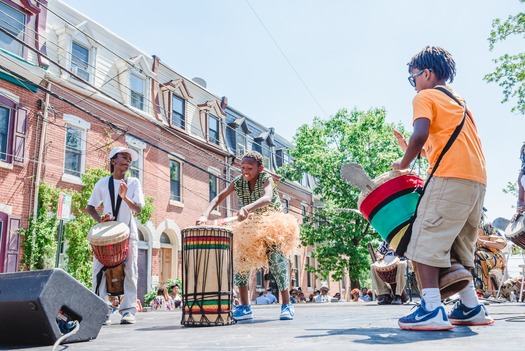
[
  {"x": 242, "y": 313},
  {"x": 287, "y": 312},
  {"x": 423, "y": 319},
  {"x": 463, "y": 315}
]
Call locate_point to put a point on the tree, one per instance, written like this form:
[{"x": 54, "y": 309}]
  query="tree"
[
  {"x": 510, "y": 70},
  {"x": 338, "y": 234}
]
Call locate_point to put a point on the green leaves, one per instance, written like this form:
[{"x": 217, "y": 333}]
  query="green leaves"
[{"x": 510, "y": 69}]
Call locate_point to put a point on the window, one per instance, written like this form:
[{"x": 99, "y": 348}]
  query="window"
[
  {"x": 80, "y": 61},
  {"x": 303, "y": 211},
  {"x": 73, "y": 158},
  {"x": 281, "y": 157},
  {"x": 13, "y": 126},
  {"x": 296, "y": 271},
  {"x": 175, "y": 185},
  {"x": 309, "y": 274},
  {"x": 178, "y": 109},
  {"x": 213, "y": 186},
  {"x": 136, "y": 165},
  {"x": 213, "y": 129},
  {"x": 257, "y": 147},
  {"x": 5, "y": 117},
  {"x": 285, "y": 205},
  {"x": 75, "y": 148},
  {"x": 137, "y": 92},
  {"x": 241, "y": 144},
  {"x": 12, "y": 21},
  {"x": 266, "y": 154}
]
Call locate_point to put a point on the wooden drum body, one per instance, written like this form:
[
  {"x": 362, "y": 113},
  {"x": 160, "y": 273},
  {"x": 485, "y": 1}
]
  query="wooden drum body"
[
  {"x": 109, "y": 241},
  {"x": 390, "y": 206},
  {"x": 207, "y": 276}
]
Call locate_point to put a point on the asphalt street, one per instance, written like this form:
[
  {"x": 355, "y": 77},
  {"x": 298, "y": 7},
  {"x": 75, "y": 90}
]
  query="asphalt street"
[{"x": 331, "y": 326}]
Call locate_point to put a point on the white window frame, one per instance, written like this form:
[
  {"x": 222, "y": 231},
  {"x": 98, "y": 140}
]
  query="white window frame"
[
  {"x": 215, "y": 118},
  {"x": 139, "y": 147},
  {"x": 82, "y": 71},
  {"x": 135, "y": 74},
  {"x": 178, "y": 202},
  {"x": 20, "y": 47},
  {"x": 184, "y": 122},
  {"x": 83, "y": 126}
]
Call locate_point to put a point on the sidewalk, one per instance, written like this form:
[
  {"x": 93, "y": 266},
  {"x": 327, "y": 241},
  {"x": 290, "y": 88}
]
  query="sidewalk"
[{"x": 326, "y": 327}]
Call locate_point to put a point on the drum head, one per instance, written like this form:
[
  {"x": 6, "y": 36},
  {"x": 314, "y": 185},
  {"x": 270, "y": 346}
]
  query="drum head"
[
  {"x": 110, "y": 232},
  {"x": 516, "y": 226}
]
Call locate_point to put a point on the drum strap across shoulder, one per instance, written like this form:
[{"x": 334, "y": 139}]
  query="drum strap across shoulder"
[
  {"x": 403, "y": 244},
  {"x": 114, "y": 207}
]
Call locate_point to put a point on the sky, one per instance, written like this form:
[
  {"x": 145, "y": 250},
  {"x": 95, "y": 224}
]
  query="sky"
[{"x": 284, "y": 62}]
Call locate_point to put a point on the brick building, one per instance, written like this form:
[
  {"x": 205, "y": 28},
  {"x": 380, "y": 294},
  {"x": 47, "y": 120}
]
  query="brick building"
[{"x": 70, "y": 91}]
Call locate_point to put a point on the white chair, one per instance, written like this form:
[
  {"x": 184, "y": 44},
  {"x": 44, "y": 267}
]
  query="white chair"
[{"x": 505, "y": 272}]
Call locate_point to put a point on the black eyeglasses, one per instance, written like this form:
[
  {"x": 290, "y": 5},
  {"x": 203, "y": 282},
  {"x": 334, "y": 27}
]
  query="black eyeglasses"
[{"x": 412, "y": 77}]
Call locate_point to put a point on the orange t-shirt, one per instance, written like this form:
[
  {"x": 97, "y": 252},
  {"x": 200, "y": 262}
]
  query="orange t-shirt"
[{"x": 465, "y": 157}]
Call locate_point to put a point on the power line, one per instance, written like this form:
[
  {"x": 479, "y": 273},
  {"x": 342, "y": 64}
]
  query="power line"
[{"x": 287, "y": 59}]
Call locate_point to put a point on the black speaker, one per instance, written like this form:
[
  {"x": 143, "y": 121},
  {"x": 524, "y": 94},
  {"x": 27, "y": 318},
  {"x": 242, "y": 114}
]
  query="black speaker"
[{"x": 35, "y": 307}]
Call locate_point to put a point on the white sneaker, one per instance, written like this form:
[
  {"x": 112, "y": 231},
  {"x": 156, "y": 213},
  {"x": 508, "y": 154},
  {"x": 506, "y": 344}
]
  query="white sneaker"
[{"x": 127, "y": 318}]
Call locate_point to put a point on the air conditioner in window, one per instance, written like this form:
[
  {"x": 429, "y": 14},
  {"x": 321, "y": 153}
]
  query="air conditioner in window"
[{"x": 80, "y": 72}]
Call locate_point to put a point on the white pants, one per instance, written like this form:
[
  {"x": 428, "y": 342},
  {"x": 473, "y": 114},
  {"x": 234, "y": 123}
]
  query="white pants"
[{"x": 129, "y": 301}]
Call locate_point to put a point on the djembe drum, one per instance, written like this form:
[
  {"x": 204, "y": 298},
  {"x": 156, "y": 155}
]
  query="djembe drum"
[
  {"x": 390, "y": 206},
  {"x": 207, "y": 276},
  {"x": 386, "y": 269},
  {"x": 515, "y": 231},
  {"x": 109, "y": 241}
]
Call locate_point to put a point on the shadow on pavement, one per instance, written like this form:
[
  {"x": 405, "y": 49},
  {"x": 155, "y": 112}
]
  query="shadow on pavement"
[{"x": 388, "y": 336}]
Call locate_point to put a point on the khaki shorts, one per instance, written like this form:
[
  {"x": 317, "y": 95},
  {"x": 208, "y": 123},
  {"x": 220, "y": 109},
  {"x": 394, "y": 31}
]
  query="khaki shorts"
[{"x": 447, "y": 222}]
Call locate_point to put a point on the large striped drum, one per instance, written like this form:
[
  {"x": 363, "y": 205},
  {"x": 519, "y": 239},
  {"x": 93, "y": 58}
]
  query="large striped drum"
[
  {"x": 207, "y": 276},
  {"x": 390, "y": 205}
]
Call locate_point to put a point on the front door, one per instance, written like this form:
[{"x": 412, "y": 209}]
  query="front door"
[{"x": 165, "y": 264}]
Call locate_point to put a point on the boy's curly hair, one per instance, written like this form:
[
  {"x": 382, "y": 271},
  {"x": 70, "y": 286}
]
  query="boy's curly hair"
[
  {"x": 437, "y": 59},
  {"x": 254, "y": 155}
]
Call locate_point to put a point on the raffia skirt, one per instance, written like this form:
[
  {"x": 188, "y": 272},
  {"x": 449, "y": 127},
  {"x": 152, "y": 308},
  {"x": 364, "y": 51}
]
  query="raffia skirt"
[{"x": 256, "y": 237}]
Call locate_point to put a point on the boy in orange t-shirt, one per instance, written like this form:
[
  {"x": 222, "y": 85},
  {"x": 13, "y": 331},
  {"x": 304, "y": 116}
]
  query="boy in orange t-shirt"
[{"x": 448, "y": 214}]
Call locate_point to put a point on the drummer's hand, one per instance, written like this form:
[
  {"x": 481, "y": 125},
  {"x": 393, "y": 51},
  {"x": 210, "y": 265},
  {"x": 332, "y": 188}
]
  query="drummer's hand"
[
  {"x": 397, "y": 165},
  {"x": 105, "y": 218},
  {"x": 123, "y": 189},
  {"x": 379, "y": 257},
  {"x": 400, "y": 139},
  {"x": 243, "y": 214},
  {"x": 201, "y": 220}
]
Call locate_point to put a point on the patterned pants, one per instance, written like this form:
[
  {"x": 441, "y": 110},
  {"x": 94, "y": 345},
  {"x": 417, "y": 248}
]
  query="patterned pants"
[
  {"x": 484, "y": 261},
  {"x": 279, "y": 267}
]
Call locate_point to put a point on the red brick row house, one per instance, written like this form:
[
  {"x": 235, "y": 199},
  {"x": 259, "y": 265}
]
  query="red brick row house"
[{"x": 70, "y": 91}]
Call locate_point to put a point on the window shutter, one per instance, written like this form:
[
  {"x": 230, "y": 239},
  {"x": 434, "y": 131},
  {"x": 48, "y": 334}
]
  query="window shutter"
[
  {"x": 12, "y": 245},
  {"x": 19, "y": 137}
]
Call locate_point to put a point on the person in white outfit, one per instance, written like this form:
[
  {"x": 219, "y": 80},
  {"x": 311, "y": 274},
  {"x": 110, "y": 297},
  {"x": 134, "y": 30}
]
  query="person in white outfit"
[{"x": 130, "y": 191}]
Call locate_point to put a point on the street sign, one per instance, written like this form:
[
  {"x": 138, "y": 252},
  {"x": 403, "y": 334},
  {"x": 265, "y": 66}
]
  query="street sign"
[{"x": 64, "y": 206}]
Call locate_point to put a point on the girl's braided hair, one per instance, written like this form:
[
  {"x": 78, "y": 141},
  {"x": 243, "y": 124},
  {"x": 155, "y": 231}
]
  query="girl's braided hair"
[
  {"x": 437, "y": 59},
  {"x": 254, "y": 155}
]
